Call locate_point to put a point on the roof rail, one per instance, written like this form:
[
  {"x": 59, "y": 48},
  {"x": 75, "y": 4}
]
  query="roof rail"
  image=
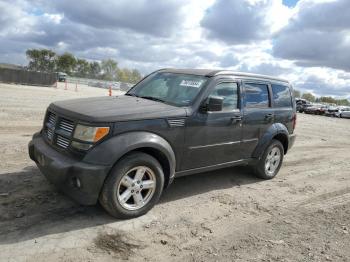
[{"x": 227, "y": 72}]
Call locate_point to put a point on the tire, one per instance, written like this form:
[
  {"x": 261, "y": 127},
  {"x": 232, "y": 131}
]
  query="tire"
[
  {"x": 127, "y": 170},
  {"x": 261, "y": 170}
]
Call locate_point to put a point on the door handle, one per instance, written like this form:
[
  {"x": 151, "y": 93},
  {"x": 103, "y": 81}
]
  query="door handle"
[
  {"x": 236, "y": 119},
  {"x": 269, "y": 116}
]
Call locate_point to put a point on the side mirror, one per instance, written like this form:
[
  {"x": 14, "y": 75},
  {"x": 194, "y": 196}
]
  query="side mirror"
[{"x": 215, "y": 103}]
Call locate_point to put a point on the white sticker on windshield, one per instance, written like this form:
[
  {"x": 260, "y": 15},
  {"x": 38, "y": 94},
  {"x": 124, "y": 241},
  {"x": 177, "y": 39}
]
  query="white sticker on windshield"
[{"x": 191, "y": 83}]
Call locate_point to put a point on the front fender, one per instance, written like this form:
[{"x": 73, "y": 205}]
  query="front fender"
[
  {"x": 265, "y": 140},
  {"x": 111, "y": 150}
]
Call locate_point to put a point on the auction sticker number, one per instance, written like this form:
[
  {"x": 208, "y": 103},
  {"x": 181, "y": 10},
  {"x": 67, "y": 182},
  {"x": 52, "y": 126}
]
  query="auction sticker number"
[{"x": 191, "y": 83}]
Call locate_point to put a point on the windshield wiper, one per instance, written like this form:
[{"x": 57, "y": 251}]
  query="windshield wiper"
[
  {"x": 153, "y": 98},
  {"x": 129, "y": 94}
]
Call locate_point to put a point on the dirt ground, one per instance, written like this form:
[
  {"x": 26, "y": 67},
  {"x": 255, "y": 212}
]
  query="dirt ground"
[{"x": 227, "y": 215}]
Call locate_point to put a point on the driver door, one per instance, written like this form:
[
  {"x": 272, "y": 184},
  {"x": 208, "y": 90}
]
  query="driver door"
[{"x": 213, "y": 138}]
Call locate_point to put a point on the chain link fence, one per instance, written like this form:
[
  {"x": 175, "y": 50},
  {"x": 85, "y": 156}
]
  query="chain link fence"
[{"x": 100, "y": 83}]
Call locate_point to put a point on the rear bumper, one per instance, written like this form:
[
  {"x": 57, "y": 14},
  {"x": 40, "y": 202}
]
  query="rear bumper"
[
  {"x": 291, "y": 141},
  {"x": 81, "y": 181}
]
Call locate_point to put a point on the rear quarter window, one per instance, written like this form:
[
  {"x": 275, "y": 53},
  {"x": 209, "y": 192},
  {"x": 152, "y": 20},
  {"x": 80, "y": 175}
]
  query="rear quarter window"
[{"x": 281, "y": 96}]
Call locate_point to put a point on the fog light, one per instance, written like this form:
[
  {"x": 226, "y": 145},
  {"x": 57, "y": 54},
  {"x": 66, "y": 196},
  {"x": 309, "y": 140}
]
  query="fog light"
[{"x": 81, "y": 146}]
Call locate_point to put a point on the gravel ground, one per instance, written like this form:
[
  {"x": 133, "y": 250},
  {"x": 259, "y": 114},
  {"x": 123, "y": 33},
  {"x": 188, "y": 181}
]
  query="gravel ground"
[{"x": 227, "y": 215}]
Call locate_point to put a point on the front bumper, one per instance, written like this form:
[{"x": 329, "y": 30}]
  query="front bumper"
[{"x": 79, "y": 180}]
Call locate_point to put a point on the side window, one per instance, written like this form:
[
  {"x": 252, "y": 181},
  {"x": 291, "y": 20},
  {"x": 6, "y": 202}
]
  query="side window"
[
  {"x": 281, "y": 96},
  {"x": 256, "y": 95},
  {"x": 229, "y": 91}
]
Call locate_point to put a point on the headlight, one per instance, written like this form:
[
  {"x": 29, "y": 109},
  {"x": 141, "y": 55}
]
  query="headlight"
[{"x": 90, "y": 133}]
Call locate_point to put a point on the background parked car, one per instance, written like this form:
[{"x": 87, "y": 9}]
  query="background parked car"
[
  {"x": 61, "y": 77},
  {"x": 343, "y": 112},
  {"x": 332, "y": 111},
  {"x": 316, "y": 109},
  {"x": 302, "y": 104}
]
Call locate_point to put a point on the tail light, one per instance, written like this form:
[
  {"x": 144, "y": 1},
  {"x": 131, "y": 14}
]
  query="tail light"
[{"x": 294, "y": 121}]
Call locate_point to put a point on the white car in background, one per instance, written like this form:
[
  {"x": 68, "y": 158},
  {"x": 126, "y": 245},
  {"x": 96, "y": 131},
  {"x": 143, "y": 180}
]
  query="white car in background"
[{"x": 343, "y": 112}]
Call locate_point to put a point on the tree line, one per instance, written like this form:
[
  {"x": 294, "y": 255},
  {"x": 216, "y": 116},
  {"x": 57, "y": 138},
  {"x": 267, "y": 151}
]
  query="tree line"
[
  {"x": 323, "y": 99},
  {"x": 46, "y": 60}
]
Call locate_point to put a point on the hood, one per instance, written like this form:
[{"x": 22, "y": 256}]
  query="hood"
[{"x": 118, "y": 108}]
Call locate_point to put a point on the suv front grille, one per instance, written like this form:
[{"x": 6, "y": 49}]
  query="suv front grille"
[{"x": 58, "y": 130}]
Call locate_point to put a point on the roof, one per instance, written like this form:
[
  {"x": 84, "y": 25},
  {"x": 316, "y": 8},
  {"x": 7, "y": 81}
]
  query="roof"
[{"x": 213, "y": 72}]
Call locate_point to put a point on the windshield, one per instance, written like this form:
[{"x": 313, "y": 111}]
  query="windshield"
[{"x": 170, "y": 88}]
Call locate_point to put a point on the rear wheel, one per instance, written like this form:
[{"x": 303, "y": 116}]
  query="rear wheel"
[
  {"x": 133, "y": 187},
  {"x": 271, "y": 161}
]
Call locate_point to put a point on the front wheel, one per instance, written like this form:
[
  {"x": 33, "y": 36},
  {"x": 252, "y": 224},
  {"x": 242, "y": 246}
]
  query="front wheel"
[
  {"x": 271, "y": 161},
  {"x": 133, "y": 187}
]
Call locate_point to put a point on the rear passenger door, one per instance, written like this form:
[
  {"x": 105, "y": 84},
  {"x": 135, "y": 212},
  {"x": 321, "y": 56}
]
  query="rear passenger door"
[
  {"x": 283, "y": 105},
  {"x": 258, "y": 114}
]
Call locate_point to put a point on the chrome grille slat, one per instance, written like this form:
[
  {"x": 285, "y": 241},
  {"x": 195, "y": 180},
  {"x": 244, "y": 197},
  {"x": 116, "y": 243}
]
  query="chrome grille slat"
[
  {"x": 49, "y": 134},
  {"x": 66, "y": 129},
  {"x": 50, "y": 123},
  {"x": 62, "y": 141},
  {"x": 52, "y": 117},
  {"x": 66, "y": 125}
]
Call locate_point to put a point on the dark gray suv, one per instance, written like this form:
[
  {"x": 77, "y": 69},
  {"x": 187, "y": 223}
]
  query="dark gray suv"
[{"x": 125, "y": 150}]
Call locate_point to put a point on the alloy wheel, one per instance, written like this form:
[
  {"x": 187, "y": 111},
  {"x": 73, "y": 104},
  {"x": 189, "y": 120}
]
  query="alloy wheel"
[
  {"x": 272, "y": 160},
  {"x": 136, "y": 188}
]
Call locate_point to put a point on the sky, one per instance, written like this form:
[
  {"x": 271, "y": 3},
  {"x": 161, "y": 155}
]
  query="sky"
[{"x": 305, "y": 41}]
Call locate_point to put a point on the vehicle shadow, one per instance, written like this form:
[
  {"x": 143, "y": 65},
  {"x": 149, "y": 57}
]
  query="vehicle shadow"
[
  {"x": 187, "y": 186},
  {"x": 30, "y": 207}
]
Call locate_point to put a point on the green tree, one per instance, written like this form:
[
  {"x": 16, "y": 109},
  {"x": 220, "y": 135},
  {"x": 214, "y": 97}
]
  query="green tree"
[
  {"x": 45, "y": 60},
  {"x": 94, "y": 70},
  {"x": 125, "y": 75},
  {"x": 128, "y": 76},
  {"x": 308, "y": 96},
  {"x": 66, "y": 63},
  {"x": 109, "y": 68},
  {"x": 135, "y": 76},
  {"x": 328, "y": 99},
  {"x": 42, "y": 60},
  {"x": 121, "y": 75},
  {"x": 343, "y": 102},
  {"x": 82, "y": 68}
]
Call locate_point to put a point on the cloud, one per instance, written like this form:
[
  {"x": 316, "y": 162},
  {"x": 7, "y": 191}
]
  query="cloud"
[
  {"x": 324, "y": 87},
  {"x": 266, "y": 68},
  {"x": 228, "y": 60},
  {"x": 158, "y": 18},
  {"x": 236, "y": 21},
  {"x": 318, "y": 35},
  {"x": 13, "y": 19}
]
